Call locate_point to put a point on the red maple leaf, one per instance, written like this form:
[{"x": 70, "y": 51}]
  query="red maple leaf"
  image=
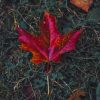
[{"x": 50, "y": 44}]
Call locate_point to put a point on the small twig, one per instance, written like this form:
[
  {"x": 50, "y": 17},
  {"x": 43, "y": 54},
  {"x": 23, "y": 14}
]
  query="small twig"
[
  {"x": 67, "y": 86},
  {"x": 17, "y": 83},
  {"x": 77, "y": 89},
  {"x": 71, "y": 11},
  {"x": 57, "y": 83},
  {"x": 61, "y": 13},
  {"x": 23, "y": 18}
]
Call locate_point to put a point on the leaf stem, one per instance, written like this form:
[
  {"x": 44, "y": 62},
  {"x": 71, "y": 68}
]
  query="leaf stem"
[{"x": 48, "y": 85}]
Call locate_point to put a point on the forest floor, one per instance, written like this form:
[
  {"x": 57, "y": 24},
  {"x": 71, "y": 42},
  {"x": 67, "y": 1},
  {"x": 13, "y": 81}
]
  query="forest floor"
[{"x": 79, "y": 71}]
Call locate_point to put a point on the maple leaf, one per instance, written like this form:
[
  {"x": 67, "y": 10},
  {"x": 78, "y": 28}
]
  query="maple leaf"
[
  {"x": 76, "y": 95},
  {"x": 83, "y": 4},
  {"x": 50, "y": 44}
]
